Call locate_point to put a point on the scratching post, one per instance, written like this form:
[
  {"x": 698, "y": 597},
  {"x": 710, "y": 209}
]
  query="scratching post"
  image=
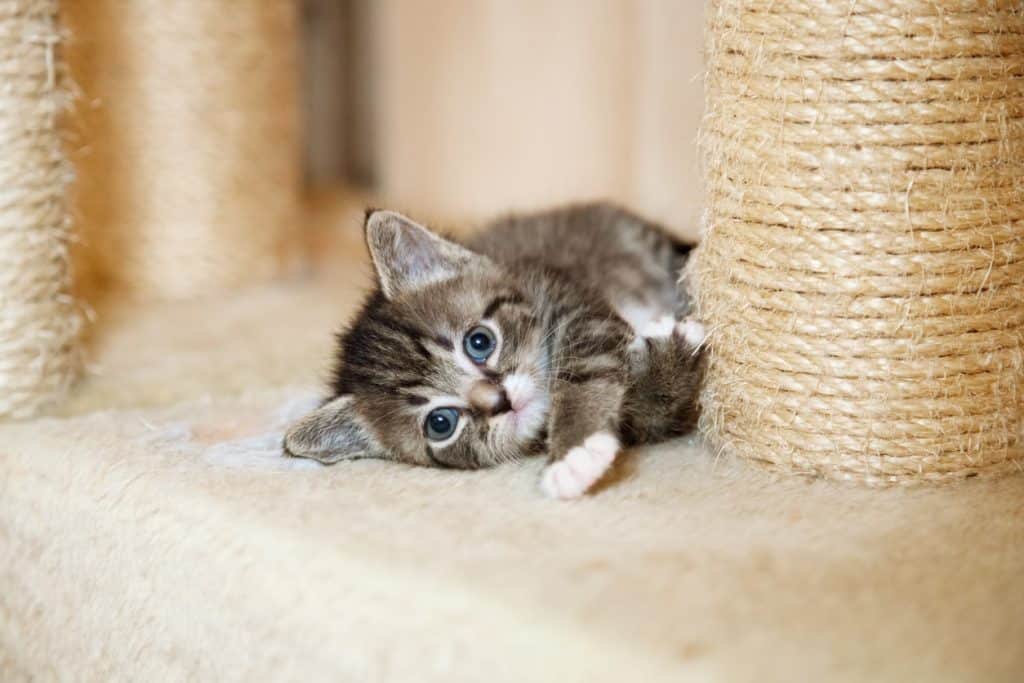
[
  {"x": 863, "y": 268},
  {"x": 190, "y": 165},
  {"x": 38, "y": 320}
]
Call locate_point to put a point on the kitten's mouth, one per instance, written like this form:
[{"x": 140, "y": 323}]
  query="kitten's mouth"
[
  {"x": 520, "y": 404},
  {"x": 529, "y": 406},
  {"x": 528, "y": 417}
]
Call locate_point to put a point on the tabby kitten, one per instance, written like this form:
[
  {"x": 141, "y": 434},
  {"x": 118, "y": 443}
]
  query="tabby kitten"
[{"x": 553, "y": 331}]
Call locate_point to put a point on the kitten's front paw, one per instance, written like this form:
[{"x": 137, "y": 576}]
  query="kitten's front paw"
[
  {"x": 581, "y": 467},
  {"x": 692, "y": 331}
]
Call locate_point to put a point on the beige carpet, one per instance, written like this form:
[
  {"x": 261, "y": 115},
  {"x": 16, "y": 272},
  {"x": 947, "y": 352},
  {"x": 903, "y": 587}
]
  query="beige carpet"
[{"x": 150, "y": 533}]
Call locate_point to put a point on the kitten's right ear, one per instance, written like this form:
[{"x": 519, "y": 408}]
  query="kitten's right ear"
[
  {"x": 408, "y": 256},
  {"x": 331, "y": 433}
]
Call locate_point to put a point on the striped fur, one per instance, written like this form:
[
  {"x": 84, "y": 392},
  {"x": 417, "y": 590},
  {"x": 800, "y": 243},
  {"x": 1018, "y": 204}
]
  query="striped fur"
[{"x": 560, "y": 289}]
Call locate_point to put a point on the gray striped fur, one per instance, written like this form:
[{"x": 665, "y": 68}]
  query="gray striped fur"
[{"x": 560, "y": 287}]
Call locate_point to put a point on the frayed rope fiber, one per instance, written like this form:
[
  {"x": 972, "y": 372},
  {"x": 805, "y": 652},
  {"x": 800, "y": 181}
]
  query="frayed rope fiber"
[
  {"x": 39, "y": 321},
  {"x": 862, "y": 273}
]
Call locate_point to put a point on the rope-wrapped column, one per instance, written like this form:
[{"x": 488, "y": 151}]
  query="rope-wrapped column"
[
  {"x": 862, "y": 273},
  {"x": 38, "y": 319},
  {"x": 189, "y": 142}
]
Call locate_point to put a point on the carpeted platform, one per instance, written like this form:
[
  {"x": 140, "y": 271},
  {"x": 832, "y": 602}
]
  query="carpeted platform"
[{"x": 151, "y": 533}]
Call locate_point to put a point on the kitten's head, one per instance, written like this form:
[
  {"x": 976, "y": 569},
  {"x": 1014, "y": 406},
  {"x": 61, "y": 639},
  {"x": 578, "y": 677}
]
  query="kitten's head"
[{"x": 446, "y": 365}]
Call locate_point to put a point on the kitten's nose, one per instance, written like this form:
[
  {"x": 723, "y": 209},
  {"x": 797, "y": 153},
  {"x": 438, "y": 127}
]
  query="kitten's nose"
[{"x": 489, "y": 398}]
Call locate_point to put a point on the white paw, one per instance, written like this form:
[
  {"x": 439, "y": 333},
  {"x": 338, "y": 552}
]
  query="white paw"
[
  {"x": 660, "y": 328},
  {"x": 581, "y": 467},
  {"x": 692, "y": 331}
]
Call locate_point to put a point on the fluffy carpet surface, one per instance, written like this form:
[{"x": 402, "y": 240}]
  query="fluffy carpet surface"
[{"x": 150, "y": 532}]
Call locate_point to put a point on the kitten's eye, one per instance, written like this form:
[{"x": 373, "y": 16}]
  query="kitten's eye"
[
  {"x": 479, "y": 343},
  {"x": 441, "y": 423}
]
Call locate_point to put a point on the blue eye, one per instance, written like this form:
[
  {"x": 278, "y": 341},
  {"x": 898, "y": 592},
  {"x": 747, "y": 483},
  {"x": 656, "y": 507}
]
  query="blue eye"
[
  {"x": 479, "y": 343},
  {"x": 441, "y": 423}
]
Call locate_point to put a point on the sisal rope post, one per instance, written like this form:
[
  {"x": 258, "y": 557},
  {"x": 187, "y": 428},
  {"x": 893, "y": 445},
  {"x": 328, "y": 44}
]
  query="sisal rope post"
[
  {"x": 39, "y": 322},
  {"x": 189, "y": 144},
  {"x": 862, "y": 273}
]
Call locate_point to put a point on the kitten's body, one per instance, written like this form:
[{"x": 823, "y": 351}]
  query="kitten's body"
[
  {"x": 596, "y": 259},
  {"x": 580, "y": 305},
  {"x": 633, "y": 264}
]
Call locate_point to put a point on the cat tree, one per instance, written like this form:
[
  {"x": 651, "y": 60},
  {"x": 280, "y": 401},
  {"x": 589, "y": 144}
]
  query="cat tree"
[
  {"x": 126, "y": 556},
  {"x": 38, "y": 319},
  {"x": 190, "y": 180},
  {"x": 185, "y": 137},
  {"x": 862, "y": 273},
  {"x": 863, "y": 265}
]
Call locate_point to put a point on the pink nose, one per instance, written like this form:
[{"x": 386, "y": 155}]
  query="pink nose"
[{"x": 489, "y": 398}]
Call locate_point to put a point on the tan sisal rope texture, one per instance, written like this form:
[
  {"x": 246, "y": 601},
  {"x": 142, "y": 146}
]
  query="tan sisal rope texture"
[
  {"x": 39, "y": 322},
  {"x": 862, "y": 274}
]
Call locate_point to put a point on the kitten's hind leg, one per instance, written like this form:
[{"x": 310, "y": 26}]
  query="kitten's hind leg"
[{"x": 665, "y": 371}]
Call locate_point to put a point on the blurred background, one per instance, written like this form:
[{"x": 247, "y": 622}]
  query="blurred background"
[
  {"x": 462, "y": 108},
  {"x": 207, "y": 134}
]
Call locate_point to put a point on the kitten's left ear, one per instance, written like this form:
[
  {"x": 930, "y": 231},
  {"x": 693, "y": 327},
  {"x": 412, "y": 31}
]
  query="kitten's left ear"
[
  {"x": 331, "y": 433},
  {"x": 408, "y": 256}
]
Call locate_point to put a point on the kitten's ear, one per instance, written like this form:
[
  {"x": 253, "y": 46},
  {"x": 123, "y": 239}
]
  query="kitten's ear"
[
  {"x": 331, "y": 433},
  {"x": 407, "y": 256}
]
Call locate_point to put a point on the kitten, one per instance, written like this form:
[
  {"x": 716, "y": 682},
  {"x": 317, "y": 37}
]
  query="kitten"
[{"x": 553, "y": 331}]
